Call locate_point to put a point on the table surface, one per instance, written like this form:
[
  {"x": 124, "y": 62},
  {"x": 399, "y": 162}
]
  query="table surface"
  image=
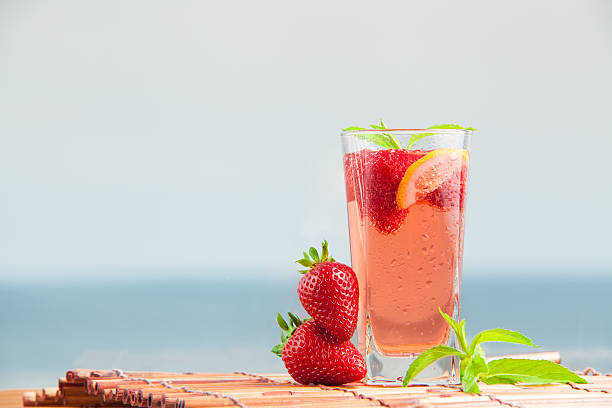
[
  {"x": 11, "y": 398},
  {"x": 85, "y": 387}
]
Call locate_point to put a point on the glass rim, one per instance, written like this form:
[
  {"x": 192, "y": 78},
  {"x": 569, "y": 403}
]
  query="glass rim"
[{"x": 407, "y": 131}]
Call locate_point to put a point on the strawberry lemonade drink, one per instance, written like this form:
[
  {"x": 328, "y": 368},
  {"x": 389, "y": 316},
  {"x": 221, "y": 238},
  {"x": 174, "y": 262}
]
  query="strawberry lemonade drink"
[{"x": 405, "y": 201}]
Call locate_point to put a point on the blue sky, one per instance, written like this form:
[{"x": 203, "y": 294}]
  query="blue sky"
[{"x": 147, "y": 138}]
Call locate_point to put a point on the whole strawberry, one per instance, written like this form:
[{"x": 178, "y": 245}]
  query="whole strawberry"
[
  {"x": 313, "y": 356},
  {"x": 330, "y": 293}
]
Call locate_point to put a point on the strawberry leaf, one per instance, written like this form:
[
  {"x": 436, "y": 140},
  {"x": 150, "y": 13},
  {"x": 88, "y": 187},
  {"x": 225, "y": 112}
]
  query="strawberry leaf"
[
  {"x": 287, "y": 329},
  {"x": 278, "y": 350},
  {"x": 305, "y": 262},
  {"x": 324, "y": 251},
  {"x": 281, "y": 322},
  {"x": 314, "y": 254},
  {"x": 294, "y": 319}
]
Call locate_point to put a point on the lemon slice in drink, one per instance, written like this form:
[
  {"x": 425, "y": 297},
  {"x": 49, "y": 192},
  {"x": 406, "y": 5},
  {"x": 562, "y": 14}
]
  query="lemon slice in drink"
[{"x": 428, "y": 173}]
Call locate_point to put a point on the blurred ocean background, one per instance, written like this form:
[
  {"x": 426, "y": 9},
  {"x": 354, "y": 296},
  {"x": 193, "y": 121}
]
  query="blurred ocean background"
[
  {"x": 162, "y": 164},
  {"x": 222, "y": 324}
]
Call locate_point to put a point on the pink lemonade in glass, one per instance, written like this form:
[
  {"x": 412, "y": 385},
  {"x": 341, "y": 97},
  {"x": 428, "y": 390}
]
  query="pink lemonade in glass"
[{"x": 406, "y": 216}]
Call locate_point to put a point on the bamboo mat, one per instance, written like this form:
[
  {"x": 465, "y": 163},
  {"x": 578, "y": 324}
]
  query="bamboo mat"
[{"x": 115, "y": 388}]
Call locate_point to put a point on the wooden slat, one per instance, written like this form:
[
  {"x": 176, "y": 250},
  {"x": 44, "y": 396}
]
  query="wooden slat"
[{"x": 106, "y": 388}]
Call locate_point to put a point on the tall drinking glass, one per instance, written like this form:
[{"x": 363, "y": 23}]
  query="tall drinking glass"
[{"x": 406, "y": 193}]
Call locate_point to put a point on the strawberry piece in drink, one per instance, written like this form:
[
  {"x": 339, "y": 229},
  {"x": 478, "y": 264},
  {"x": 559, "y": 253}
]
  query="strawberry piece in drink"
[{"x": 373, "y": 177}]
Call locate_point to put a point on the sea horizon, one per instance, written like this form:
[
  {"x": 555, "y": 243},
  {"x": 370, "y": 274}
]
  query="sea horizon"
[{"x": 228, "y": 324}]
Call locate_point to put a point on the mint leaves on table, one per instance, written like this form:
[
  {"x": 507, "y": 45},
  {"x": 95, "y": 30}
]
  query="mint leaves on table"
[
  {"x": 389, "y": 141},
  {"x": 474, "y": 368},
  {"x": 287, "y": 330}
]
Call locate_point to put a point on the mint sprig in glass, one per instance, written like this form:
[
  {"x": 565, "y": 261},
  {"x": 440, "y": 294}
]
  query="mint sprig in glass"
[{"x": 390, "y": 141}]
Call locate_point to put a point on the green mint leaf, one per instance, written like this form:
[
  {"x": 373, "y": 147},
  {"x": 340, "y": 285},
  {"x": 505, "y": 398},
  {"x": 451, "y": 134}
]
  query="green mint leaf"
[
  {"x": 479, "y": 360},
  {"x": 470, "y": 384},
  {"x": 469, "y": 380},
  {"x": 471, "y": 371},
  {"x": 514, "y": 378},
  {"x": 281, "y": 322},
  {"x": 446, "y": 126},
  {"x": 278, "y": 350},
  {"x": 416, "y": 137},
  {"x": 426, "y": 358},
  {"x": 380, "y": 140},
  {"x": 393, "y": 140},
  {"x": 504, "y": 335},
  {"x": 458, "y": 328},
  {"x": 463, "y": 367},
  {"x": 388, "y": 141},
  {"x": 542, "y": 369}
]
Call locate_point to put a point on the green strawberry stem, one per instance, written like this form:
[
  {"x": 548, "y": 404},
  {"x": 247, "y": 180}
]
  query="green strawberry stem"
[
  {"x": 287, "y": 329},
  {"x": 312, "y": 258}
]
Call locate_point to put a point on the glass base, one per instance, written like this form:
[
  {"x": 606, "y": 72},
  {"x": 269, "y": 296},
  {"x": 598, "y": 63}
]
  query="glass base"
[{"x": 390, "y": 370}]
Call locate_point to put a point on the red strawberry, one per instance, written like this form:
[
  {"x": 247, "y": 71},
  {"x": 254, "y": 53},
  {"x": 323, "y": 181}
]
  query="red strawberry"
[
  {"x": 378, "y": 173},
  {"x": 313, "y": 356},
  {"x": 330, "y": 293},
  {"x": 451, "y": 194}
]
